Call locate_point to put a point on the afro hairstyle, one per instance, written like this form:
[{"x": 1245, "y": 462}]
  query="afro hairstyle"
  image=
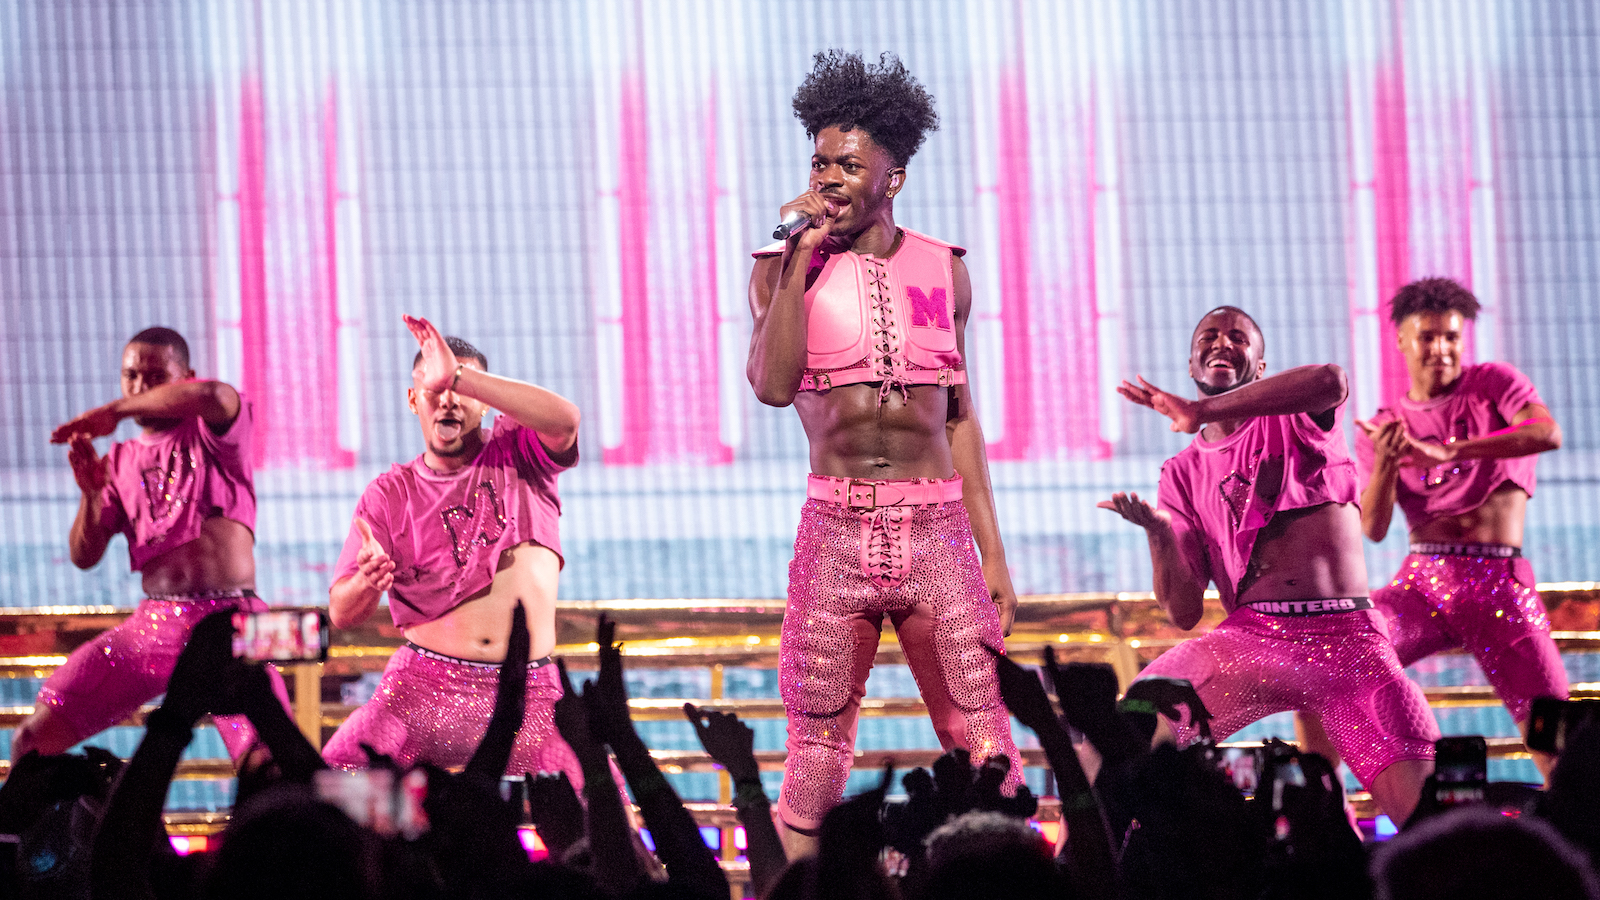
[{"x": 884, "y": 100}]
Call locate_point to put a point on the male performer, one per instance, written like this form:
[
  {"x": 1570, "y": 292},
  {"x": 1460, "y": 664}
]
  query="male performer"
[
  {"x": 859, "y": 324},
  {"x": 457, "y": 537},
  {"x": 1263, "y": 502},
  {"x": 1458, "y": 453},
  {"x": 182, "y": 494}
]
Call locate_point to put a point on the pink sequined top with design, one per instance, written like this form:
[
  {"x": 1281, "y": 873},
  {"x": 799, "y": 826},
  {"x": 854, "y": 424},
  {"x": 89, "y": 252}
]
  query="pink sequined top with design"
[
  {"x": 1483, "y": 399},
  {"x": 881, "y": 319},
  {"x": 161, "y": 487},
  {"x": 446, "y": 532},
  {"x": 1229, "y": 490}
]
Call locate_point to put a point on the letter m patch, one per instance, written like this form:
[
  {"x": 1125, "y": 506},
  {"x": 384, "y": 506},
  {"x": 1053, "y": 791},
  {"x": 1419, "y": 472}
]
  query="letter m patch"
[{"x": 928, "y": 312}]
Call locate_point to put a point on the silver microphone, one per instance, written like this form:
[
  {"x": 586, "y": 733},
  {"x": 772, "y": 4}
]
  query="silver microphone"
[{"x": 792, "y": 224}]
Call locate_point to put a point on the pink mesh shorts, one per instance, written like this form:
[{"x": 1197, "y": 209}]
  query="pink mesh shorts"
[
  {"x": 435, "y": 708},
  {"x": 918, "y": 567},
  {"x": 1339, "y": 666},
  {"x": 119, "y": 671},
  {"x": 1486, "y": 605}
]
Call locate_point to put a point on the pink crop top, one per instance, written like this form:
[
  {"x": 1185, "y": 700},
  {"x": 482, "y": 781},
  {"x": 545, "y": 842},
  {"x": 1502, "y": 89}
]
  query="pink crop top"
[
  {"x": 881, "y": 319},
  {"x": 1484, "y": 399},
  {"x": 1229, "y": 490},
  {"x": 446, "y": 532},
  {"x": 160, "y": 488}
]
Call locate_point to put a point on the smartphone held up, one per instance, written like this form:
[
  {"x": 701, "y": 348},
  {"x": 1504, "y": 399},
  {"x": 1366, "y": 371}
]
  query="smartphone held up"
[{"x": 281, "y": 636}]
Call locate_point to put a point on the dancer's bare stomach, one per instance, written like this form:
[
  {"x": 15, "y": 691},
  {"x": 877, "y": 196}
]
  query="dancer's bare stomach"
[
  {"x": 1498, "y": 521},
  {"x": 479, "y": 628},
  {"x": 1308, "y": 553},
  {"x": 222, "y": 558},
  {"x": 852, "y": 435}
]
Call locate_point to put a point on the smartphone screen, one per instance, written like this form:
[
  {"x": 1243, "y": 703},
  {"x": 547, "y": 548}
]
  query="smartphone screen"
[
  {"x": 375, "y": 799},
  {"x": 1460, "y": 769},
  {"x": 281, "y": 635}
]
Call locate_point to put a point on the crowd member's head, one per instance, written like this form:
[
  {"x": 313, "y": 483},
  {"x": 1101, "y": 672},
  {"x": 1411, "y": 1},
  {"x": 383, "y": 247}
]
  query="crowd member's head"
[
  {"x": 989, "y": 854},
  {"x": 1474, "y": 853},
  {"x": 50, "y": 804},
  {"x": 1430, "y": 319},
  {"x": 1226, "y": 351},
  {"x": 284, "y": 842},
  {"x": 867, "y": 122}
]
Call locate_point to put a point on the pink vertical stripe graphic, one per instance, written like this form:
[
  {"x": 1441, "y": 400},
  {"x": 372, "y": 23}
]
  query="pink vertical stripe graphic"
[
  {"x": 326, "y": 426},
  {"x": 252, "y": 258},
  {"x": 1083, "y": 412},
  {"x": 633, "y": 201},
  {"x": 1391, "y": 191},
  {"x": 1013, "y": 200}
]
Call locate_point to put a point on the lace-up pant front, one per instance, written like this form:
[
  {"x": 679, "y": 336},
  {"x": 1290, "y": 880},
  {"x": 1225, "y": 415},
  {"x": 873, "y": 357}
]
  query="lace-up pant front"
[{"x": 916, "y": 566}]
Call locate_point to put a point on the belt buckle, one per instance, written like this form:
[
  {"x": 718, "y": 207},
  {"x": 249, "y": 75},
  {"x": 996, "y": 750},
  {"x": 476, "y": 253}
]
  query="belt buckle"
[
  {"x": 822, "y": 381},
  {"x": 945, "y": 378},
  {"x": 867, "y": 491}
]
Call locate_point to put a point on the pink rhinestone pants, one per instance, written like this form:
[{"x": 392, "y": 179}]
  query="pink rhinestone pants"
[
  {"x": 918, "y": 567},
  {"x": 435, "y": 710},
  {"x": 1340, "y": 667},
  {"x": 1484, "y": 605},
  {"x": 105, "y": 680}
]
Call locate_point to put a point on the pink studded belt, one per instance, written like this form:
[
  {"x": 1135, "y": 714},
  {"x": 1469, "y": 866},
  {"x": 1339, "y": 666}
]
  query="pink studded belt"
[
  {"x": 886, "y": 508},
  {"x": 865, "y": 496}
]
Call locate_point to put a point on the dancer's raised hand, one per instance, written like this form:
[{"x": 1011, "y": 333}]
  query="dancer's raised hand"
[{"x": 437, "y": 371}]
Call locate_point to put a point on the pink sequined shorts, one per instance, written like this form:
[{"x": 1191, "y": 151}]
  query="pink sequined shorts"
[
  {"x": 105, "y": 680},
  {"x": 435, "y": 708},
  {"x": 1339, "y": 666},
  {"x": 1484, "y": 604},
  {"x": 852, "y": 569}
]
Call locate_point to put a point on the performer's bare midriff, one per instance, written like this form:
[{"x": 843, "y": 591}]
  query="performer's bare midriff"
[
  {"x": 478, "y": 629},
  {"x": 852, "y": 436},
  {"x": 1498, "y": 521},
  {"x": 1310, "y": 552},
  {"x": 220, "y": 559}
]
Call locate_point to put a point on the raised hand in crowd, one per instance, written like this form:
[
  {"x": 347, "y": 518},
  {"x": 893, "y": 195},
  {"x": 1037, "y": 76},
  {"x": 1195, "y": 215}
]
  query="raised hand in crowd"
[
  {"x": 690, "y": 865},
  {"x": 472, "y": 828},
  {"x": 1087, "y": 855},
  {"x": 732, "y": 744},
  {"x": 206, "y": 679},
  {"x": 1087, "y": 693},
  {"x": 1170, "y": 697},
  {"x": 612, "y": 858},
  {"x": 1299, "y": 814}
]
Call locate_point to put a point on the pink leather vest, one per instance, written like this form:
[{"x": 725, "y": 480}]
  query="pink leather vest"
[{"x": 876, "y": 319}]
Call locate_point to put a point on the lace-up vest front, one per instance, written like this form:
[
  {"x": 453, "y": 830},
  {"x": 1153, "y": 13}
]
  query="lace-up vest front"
[{"x": 888, "y": 320}]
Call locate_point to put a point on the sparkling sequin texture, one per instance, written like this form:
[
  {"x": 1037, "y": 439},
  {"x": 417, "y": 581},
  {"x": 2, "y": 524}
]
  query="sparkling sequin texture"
[
  {"x": 105, "y": 680},
  {"x": 1339, "y": 666},
  {"x": 436, "y": 710},
  {"x": 841, "y": 586},
  {"x": 1484, "y": 605}
]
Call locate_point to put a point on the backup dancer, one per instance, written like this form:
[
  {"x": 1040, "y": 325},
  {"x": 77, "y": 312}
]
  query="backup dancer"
[
  {"x": 1263, "y": 503},
  {"x": 457, "y": 537},
  {"x": 183, "y": 495},
  {"x": 860, "y": 325},
  {"x": 1457, "y": 453}
]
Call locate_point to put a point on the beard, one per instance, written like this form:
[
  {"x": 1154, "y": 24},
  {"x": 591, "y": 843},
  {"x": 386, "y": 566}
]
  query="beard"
[{"x": 1212, "y": 391}]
